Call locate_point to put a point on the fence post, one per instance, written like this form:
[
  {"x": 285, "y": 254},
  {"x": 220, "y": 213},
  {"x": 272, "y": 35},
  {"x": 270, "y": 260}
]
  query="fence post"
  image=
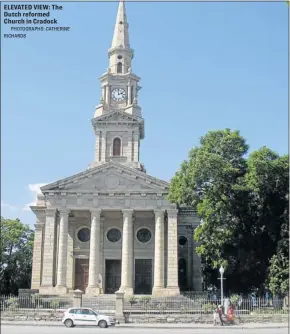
[
  {"x": 77, "y": 298},
  {"x": 119, "y": 307}
]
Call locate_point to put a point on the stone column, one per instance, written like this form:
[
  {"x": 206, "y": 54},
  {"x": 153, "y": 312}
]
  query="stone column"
[
  {"x": 102, "y": 261},
  {"x": 37, "y": 256},
  {"x": 70, "y": 259},
  {"x": 62, "y": 252},
  {"x": 108, "y": 95},
  {"x": 172, "y": 254},
  {"x": 127, "y": 253},
  {"x": 130, "y": 146},
  {"x": 129, "y": 94},
  {"x": 136, "y": 146},
  {"x": 94, "y": 261},
  {"x": 97, "y": 147},
  {"x": 158, "y": 287},
  {"x": 48, "y": 253},
  {"x": 103, "y": 146}
]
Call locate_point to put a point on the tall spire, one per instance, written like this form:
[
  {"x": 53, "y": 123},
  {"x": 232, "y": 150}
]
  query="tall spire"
[{"x": 121, "y": 35}]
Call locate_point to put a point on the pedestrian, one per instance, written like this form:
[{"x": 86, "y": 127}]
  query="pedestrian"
[
  {"x": 215, "y": 314},
  {"x": 231, "y": 315},
  {"x": 254, "y": 299},
  {"x": 220, "y": 313}
]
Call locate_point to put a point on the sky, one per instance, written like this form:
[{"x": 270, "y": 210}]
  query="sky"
[{"x": 203, "y": 66}]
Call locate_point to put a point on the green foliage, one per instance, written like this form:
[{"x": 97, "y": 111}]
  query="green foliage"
[
  {"x": 12, "y": 304},
  {"x": 208, "y": 307},
  {"x": 55, "y": 304},
  {"x": 279, "y": 275},
  {"x": 243, "y": 204},
  {"x": 16, "y": 256},
  {"x": 234, "y": 299}
]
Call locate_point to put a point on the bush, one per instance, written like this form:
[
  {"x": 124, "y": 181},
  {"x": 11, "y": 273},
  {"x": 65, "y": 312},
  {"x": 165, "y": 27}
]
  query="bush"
[
  {"x": 55, "y": 303},
  {"x": 12, "y": 304},
  {"x": 208, "y": 307}
]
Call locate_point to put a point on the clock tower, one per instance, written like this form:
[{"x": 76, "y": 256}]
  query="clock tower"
[{"x": 118, "y": 122}]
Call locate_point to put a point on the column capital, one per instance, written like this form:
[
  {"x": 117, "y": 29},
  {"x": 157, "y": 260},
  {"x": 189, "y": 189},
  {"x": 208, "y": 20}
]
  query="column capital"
[
  {"x": 50, "y": 212},
  {"x": 39, "y": 226},
  {"x": 127, "y": 212},
  {"x": 159, "y": 213},
  {"x": 172, "y": 213},
  {"x": 64, "y": 211},
  {"x": 96, "y": 212}
]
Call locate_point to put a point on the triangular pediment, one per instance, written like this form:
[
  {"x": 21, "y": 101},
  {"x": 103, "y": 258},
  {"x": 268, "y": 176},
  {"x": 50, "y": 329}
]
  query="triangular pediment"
[
  {"x": 110, "y": 178},
  {"x": 117, "y": 116}
]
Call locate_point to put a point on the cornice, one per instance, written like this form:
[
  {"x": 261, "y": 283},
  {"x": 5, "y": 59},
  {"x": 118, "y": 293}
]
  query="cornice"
[
  {"x": 89, "y": 173},
  {"x": 105, "y": 194}
]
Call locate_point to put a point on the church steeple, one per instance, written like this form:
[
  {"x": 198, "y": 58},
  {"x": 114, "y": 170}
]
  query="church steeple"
[
  {"x": 120, "y": 53},
  {"x": 118, "y": 122},
  {"x": 121, "y": 34}
]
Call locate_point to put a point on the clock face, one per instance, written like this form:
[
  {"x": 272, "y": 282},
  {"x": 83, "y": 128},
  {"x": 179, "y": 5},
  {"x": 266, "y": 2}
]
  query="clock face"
[{"x": 118, "y": 94}]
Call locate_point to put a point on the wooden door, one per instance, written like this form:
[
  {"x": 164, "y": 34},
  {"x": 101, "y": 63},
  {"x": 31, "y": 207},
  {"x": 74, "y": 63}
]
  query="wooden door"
[
  {"x": 143, "y": 276},
  {"x": 113, "y": 276},
  {"x": 81, "y": 274}
]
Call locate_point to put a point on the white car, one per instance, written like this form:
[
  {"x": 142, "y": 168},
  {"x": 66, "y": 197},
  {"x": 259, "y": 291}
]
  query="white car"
[{"x": 80, "y": 316}]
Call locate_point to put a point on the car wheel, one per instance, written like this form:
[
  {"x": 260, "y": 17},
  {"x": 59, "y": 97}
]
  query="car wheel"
[
  {"x": 103, "y": 324},
  {"x": 68, "y": 323}
]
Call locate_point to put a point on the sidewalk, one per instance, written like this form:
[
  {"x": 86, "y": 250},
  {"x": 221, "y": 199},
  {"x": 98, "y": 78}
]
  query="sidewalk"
[{"x": 155, "y": 325}]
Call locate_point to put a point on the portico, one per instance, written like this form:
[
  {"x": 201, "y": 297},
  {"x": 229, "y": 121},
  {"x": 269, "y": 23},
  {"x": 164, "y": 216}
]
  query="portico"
[{"x": 145, "y": 234}]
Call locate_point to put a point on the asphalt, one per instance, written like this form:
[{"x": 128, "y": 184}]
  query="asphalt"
[
  {"x": 154, "y": 325},
  {"x": 10, "y": 329}
]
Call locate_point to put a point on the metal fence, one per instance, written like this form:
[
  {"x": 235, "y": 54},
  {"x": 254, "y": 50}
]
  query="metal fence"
[
  {"x": 28, "y": 304},
  {"x": 104, "y": 304},
  {"x": 199, "y": 306},
  {"x": 184, "y": 304}
]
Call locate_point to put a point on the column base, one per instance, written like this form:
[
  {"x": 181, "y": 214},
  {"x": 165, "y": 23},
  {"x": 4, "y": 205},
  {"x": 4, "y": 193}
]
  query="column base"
[
  {"x": 159, "y": 292},
  {"x": 172, "y": 291},
  {"x": 61, "y": 290},
  {"x": 127, "y": 291},
  {"x": 47, "y": 290},
  {"x": 93, "y": 291}
]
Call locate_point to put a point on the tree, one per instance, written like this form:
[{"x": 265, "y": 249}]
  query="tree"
[
  {"x": 16, "y": 256},
  {"x": 279, "y": 274},
  {"x": 241, "y": 203}
]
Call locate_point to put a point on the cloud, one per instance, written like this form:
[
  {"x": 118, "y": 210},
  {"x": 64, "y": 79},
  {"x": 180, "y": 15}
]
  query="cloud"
[
  {"x": 8, "y": 206},
  {"x": 35, "y": 190}
]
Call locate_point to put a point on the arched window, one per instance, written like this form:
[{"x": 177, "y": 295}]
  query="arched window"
[
  {"x": 117, "y": 146},
  {"x": 119, "y": 67}
]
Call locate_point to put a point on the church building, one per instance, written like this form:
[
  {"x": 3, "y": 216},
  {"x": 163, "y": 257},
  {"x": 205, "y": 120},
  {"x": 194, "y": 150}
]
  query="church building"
[{"x": 111, "y": 228}]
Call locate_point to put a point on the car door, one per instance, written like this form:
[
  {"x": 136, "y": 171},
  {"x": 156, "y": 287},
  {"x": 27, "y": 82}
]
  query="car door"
[
  {"x": 76, "y": 315},
  {"x": 89, "y": 317}
]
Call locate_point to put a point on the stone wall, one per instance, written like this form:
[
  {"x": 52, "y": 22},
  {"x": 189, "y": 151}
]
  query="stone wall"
[
  {"x": 201, "y": 318},
  {"x": 56, "y": 315}
]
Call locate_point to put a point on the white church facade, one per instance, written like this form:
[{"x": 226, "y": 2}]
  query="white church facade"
[{"x": 111, "y": 228}]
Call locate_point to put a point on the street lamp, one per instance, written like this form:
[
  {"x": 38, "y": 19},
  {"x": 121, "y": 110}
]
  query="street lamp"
[{"x": 222, "y": 270}]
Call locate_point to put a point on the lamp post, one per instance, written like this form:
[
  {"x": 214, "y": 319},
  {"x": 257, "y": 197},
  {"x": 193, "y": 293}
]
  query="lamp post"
[{"x": 222, "y": 270}]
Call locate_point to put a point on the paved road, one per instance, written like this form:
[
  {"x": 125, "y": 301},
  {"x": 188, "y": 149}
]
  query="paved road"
[{"x": 95, "y": 330}]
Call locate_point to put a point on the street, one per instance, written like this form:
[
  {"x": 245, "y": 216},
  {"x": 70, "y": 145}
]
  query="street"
[{"x": 9, "y": 329}]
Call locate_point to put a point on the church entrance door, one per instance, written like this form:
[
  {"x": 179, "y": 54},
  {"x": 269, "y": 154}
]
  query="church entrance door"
[
  {"x": 81, "y": 274},
  {"x": 113, "y": 276},
  {"x": 182, "y": 274},
  {"x": 143, "y": 277}
]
